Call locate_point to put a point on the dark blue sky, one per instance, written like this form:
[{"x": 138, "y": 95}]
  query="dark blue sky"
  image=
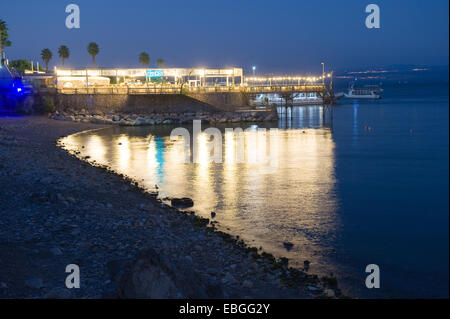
[{"x": 276, "y": 36}]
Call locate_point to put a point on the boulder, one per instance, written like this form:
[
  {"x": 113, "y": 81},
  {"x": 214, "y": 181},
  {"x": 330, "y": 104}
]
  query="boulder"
[
  {"x": 153, "y": 275},
  {"x": 184, "y": 202},
  {"x": 34, "y": 283},
  {"x": 97, "y": 120},
  {"x": 140, "y": 121},
  {"x": 247, "y": 284}
]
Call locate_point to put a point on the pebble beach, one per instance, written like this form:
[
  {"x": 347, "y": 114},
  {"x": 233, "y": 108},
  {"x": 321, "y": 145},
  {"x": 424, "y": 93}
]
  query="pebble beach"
[{"x": 57, "y": 210}]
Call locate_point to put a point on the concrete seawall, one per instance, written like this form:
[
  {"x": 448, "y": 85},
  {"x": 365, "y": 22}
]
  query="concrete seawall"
[
  {"x": 225, "y": 101},
  {"x": 123, "y": 109},
  {"x": 136, "y": 104},
  {"x": 213, "y": 102},
  {"x": 134, "y": 110}
]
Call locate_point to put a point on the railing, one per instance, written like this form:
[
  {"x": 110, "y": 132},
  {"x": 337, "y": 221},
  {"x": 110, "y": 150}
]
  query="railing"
[
  {"x": 177, "y": 89},
  {"x": 122, "y": 90},
  {"x": 211, "y": 89},
  {"x": 283, "y": 88}
]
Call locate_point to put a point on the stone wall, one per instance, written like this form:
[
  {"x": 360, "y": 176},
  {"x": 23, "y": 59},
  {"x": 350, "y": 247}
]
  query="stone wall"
[
  {"x": 149, "y": 104},
  {"x": 122, "y": 109},
  {"x": 131, "y": 104},
  {"x": 226, "y": 101}
]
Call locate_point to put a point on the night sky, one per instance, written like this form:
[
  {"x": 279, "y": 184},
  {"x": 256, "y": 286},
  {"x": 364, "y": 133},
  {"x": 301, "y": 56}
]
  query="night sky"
[{"x": 276, "y": 36}]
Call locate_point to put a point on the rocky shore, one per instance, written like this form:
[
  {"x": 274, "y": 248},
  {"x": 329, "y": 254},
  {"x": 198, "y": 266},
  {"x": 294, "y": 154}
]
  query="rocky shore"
[
  {"x": 163, "y": 118},
  {"x": 57, "y": 210}
]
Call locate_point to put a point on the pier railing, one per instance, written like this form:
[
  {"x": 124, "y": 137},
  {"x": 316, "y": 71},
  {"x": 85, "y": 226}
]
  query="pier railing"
[
  {"x": 178, "y": 89},
  {"x": 284, "y": 88},
  {"x": 122, "y": 90}
]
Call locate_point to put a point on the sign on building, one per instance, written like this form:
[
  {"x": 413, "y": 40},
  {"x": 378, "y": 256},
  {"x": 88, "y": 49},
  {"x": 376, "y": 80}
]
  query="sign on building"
[{"x": 155, "y": 73}]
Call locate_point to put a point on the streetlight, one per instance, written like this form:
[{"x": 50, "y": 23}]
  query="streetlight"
[{"x": 254, "y": 69}]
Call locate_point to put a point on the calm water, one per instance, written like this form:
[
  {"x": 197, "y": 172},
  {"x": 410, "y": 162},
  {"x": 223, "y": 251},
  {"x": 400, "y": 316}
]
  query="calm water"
[{"x": 364, "y": 183}]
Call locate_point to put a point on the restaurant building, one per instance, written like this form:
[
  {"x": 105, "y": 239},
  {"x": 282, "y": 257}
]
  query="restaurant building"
[{"x": 195, "y": 77}]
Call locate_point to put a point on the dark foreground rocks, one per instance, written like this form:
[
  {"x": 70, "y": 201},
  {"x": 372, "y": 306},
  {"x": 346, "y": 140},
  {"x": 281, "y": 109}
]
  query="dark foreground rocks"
[
  {"x": 57, "y": 210},
  {"x": 182, "y": 202},
  {"x": 125, "y": 119},
  {"x": 153, "y": 275}
]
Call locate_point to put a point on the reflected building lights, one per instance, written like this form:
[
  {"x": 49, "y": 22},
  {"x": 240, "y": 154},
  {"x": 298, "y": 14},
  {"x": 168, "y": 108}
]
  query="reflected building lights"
[
  {"x": 153, "y": 165},
  {"x": 230, "y": 149},
  {"x": 174, "y": 161},
  {"x": 202, "y": 183},
  {"x": 266, "y": 207},
  {"x": 355, "y": 121},
  {"x": 123, "y": 151},
  {"x": 203, "y": 156},
  {"x": 96, "y": 149}
]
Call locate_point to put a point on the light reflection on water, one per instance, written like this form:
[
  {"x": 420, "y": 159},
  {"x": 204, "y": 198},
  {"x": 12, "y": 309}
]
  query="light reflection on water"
[{"x": 296, "y": 202}]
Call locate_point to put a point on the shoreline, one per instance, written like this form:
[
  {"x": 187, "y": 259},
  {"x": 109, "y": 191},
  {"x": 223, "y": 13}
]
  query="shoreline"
[{"x": 86, "y": 214}]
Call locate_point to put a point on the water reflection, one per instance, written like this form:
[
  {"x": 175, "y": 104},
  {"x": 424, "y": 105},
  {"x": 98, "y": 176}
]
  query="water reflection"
[
  {"x": 96, "y": 149},
  {"x": 295, "y": 202},
  {"x": 315, "y": 116},
  {"x": 123, "y": 152},
  {"x": 355, "y": 121}
]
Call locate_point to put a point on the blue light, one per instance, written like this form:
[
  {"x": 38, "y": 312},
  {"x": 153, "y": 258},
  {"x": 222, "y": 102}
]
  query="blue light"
[
  {"x": 13, "y": 91},
  {"x": 155, "y": 73}
]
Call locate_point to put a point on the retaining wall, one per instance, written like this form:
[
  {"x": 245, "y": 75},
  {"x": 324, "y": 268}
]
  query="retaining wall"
[{"x": 148, "y": 104}]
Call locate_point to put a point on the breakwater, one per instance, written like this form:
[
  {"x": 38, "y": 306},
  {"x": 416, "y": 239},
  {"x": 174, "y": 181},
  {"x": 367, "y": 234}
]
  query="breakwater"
[
  {"x": 140, "y": 119},
  {"x": 137, "y": 110},
  {"x": 151, "y": 103}
]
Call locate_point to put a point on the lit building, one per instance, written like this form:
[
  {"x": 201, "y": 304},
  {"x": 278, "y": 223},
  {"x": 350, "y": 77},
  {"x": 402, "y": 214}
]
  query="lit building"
[{"x": 197, "y": 77}]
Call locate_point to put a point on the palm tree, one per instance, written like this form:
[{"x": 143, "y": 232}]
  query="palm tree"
[
  {"x": 63, "y": 53},
  {"x": 46, "y": 56},
  {"x": 144, "y": 59},
  {"x": 4, "y": 42},
  {"x": 93, "y": 50},
  {"x": 160, "y": 63}
]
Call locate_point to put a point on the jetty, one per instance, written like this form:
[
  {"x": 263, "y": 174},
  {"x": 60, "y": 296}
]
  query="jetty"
[{"x": 226, "y": 88}]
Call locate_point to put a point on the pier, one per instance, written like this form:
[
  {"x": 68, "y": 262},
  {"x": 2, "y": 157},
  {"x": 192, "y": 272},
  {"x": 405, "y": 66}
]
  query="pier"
[
  {"x": 225, "y": 90},
  {"x": 183, "y": 80},
  {"x": 177, "y": 89}
]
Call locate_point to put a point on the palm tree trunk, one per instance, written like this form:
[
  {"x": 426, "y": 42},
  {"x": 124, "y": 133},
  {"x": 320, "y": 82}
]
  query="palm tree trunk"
[
  {"x": 1, "y": 48},
  {"x": 93, "y": 59}
]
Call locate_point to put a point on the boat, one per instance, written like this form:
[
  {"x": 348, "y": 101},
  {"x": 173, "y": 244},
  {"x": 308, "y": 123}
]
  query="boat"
[
  {"x": 367, "y": 92},
  {"x": 338, "y": 95},
  {"x": 376, "y": 88}
]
